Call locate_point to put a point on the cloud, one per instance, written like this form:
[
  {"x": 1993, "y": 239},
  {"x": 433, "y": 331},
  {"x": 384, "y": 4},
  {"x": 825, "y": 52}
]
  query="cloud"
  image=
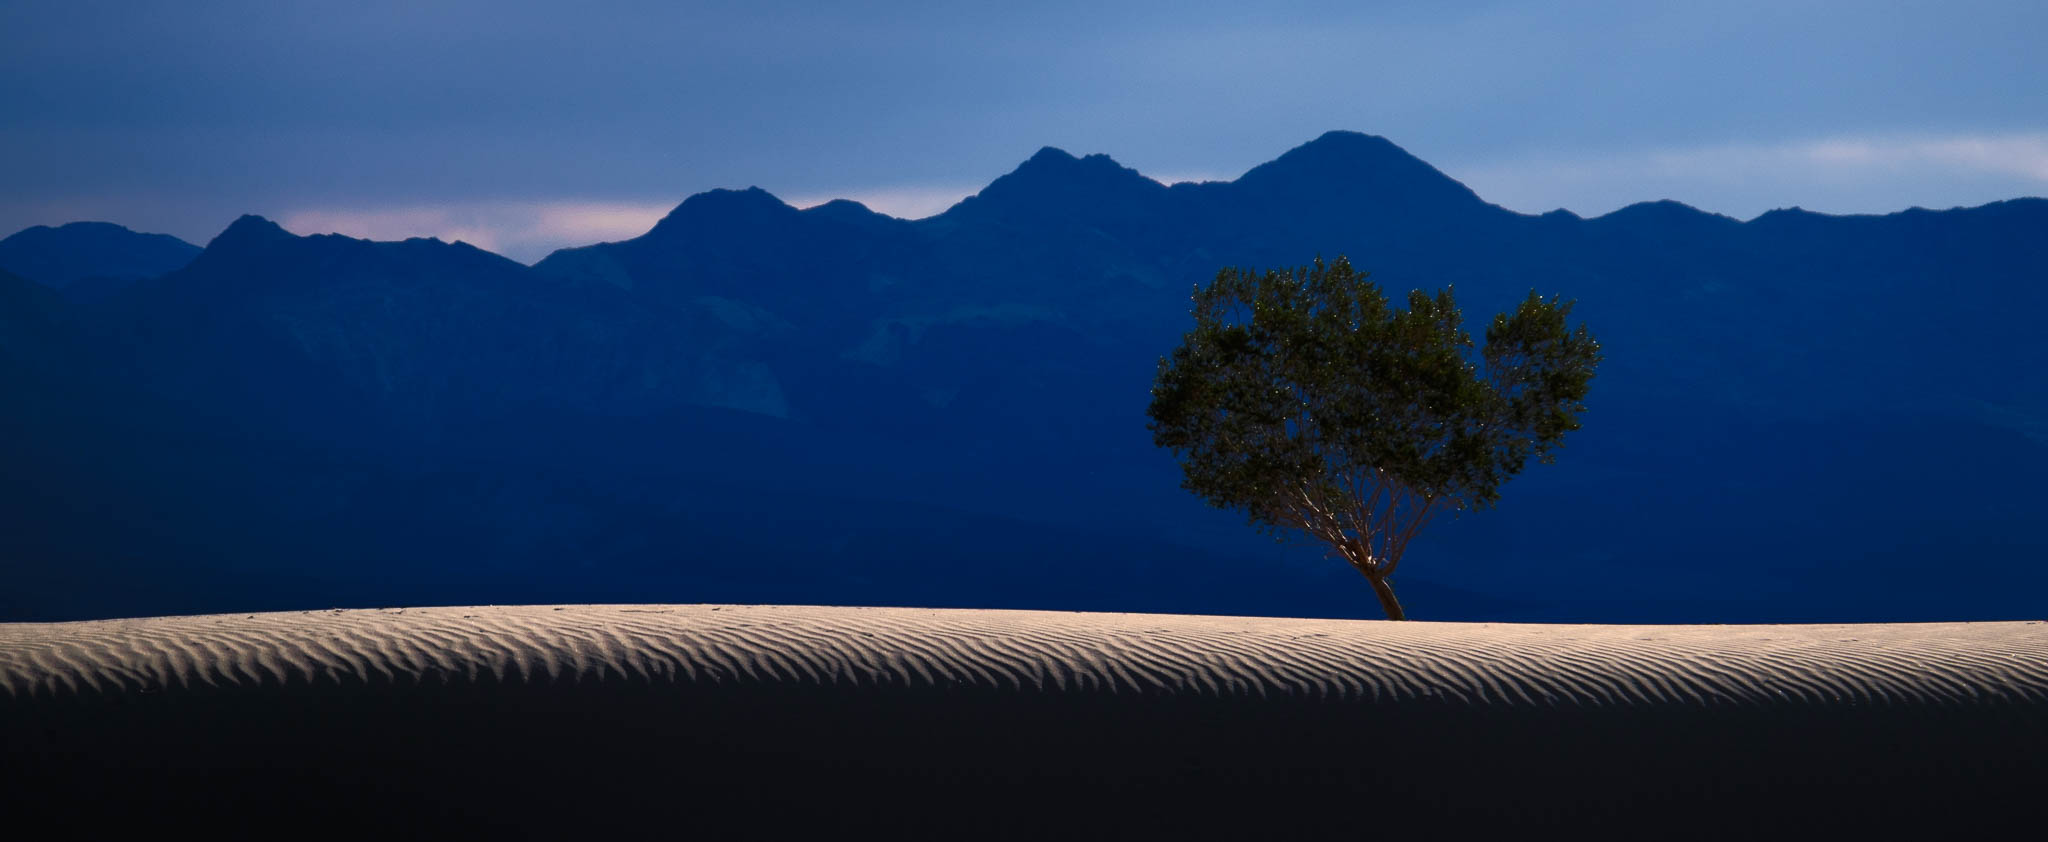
[
  {"x": 2024, "y": 155},
  {"x": 2021, "y": 155},
  {"x": 522, "y": 230},
  {"x": 1842, "y": 174}
]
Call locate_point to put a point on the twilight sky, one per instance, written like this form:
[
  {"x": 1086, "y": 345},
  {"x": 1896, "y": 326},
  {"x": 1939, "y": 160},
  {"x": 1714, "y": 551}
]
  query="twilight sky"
[{"x": 522, "y": 127}]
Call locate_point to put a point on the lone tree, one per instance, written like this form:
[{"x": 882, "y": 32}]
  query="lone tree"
[{"x": 1303, "y": 399}]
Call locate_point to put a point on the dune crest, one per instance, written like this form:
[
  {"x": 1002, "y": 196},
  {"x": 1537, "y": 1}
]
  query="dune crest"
[
  {"x": 768, "y": 720},
  {"x": 1467, "y": 663}
]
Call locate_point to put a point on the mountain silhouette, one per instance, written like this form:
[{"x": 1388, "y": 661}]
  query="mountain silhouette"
[
  {"x": 1800, "y": 415},
  {"x": 423, "y": 333},
  {"x": 1361, "y": 173},
  {"x": 1054, "y": 187},
  {"x": 97, "y": 256}
]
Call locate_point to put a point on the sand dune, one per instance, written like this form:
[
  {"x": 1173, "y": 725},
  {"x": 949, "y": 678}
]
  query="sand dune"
[{"x": 766, "y": 720}]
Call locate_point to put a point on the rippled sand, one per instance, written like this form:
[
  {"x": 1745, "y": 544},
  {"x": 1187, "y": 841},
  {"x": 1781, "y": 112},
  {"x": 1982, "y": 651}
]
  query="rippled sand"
[{"x": 546, "y": 720}]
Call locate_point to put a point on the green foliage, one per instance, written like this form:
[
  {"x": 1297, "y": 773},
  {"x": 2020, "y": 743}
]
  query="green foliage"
[{"x": 1303, "y": 398}]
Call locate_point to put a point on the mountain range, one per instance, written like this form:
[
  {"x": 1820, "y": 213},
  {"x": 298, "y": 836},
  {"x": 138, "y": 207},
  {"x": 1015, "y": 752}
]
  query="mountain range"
[
  {"x": 1801, "y": 416},
  {"x": 91, "y": 259}
]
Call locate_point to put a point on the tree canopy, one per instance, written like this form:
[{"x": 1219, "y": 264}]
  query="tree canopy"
[{"x": 1304, "y": 399}]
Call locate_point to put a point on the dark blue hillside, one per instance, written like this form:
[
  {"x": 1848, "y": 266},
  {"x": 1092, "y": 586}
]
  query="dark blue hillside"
[
  {"x": 91, "y": 259},
  {"x": 1802, "y": 417}
]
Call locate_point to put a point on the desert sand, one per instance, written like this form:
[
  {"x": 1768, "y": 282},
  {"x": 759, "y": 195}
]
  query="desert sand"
[{"x": 769, "y": 721}]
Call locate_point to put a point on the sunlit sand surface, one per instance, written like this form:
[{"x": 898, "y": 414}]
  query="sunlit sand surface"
[{"x": 693, "y": 719}]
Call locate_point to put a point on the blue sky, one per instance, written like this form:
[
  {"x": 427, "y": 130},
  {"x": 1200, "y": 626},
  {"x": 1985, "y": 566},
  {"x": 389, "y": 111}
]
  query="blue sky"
[{"x": 524, "y": 126}]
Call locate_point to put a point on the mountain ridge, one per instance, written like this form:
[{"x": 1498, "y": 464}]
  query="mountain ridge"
[
  {"x": 103, "y": 252},
  {"x": 593, "y": 421},
  {"x": 1382, "y": 150}
]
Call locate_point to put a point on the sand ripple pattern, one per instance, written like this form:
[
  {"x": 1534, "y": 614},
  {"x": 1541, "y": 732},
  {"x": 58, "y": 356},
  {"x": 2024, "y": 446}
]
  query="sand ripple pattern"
[{"x": 1459, "y": 664}]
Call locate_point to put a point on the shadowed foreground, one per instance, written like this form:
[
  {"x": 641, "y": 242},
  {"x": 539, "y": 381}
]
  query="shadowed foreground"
[{"x": 769, "y": 720}]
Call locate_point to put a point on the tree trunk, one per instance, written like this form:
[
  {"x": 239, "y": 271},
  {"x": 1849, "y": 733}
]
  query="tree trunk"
[{"x": 1385, "y": 590}]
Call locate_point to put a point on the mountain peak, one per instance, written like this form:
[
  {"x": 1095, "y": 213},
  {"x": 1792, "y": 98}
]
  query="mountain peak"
[
  {"x": 1346, "y": 149},
  {"x": 1052, "y": 162},
  {"x": 1053, "y": 183},
  {"x": 1347, "y": 139},
  {"x": 74, "y": 228},
  {"x": 842, "y": 206},
  {"x": 1355, "y": 167},
  {"x": 725, "y": 200},
  {"x": 1050, "y": 156},
  {"x": 1662, "y": 210},
  {"x": 250, "y": 229},
  {"x": 720, "y": 208},
  {"x": 848, "y": 211},
  {"x": 58, "y": 257}
]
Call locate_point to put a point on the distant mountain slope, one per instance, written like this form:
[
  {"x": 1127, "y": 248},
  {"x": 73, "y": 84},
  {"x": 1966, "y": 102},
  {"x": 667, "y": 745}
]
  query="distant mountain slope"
[
  {"x": 422, "y": 332},
  {"x": 31, "y": 318},
  {"x": 1802, "y": 417},
  {"x": 1820, "y": 314},
  {"x": 101, "y": 254}
]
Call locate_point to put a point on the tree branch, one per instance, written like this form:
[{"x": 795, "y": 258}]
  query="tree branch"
[{"x": 1417, "y": 520}]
